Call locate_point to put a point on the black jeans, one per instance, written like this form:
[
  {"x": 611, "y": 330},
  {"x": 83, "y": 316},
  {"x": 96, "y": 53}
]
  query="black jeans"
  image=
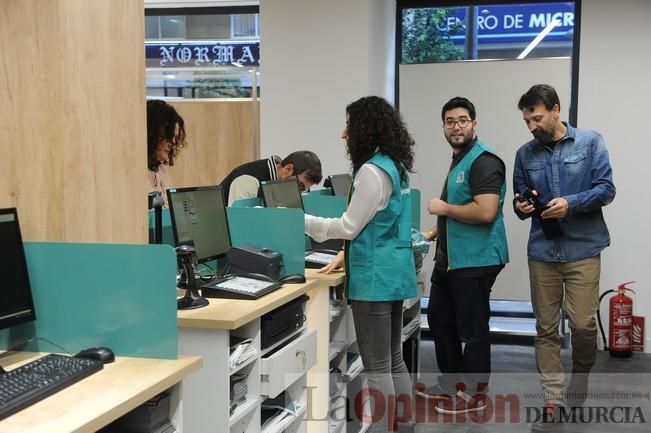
[
  {"x": 458, "y": 312},
  {"x": 378, "y": 327}
]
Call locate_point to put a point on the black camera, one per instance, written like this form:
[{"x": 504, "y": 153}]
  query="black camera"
[
  {"x": 551, "y": 227},
  {"x": 531, "y": 198}
]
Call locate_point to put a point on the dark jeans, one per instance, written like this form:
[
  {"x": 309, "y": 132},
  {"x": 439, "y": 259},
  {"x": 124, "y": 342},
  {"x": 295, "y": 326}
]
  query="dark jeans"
[
  {"x": 458, "y": 312},
  {"x": 378, "y": 327}
]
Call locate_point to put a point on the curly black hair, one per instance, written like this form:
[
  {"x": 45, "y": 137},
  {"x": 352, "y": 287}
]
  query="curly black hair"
[
  {"x": 374, "y": 125},
  {"x": 162, "y": 119}
]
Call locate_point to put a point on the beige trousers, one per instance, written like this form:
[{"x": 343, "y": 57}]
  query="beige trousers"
[{"x": 574, "y": 287}]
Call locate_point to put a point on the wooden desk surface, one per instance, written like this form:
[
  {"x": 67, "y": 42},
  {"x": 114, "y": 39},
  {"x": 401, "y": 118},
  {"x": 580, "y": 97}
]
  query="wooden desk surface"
[
  {"x": 333, "y": 278},
  {"x": 99, "y": 399},
  {"x": 233, "y": 313}
]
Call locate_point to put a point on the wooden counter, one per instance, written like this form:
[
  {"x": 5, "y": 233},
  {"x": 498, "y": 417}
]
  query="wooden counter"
[
  {"x": 99, "y": 399},
  {"x": 233, "y": 313},
  {"x": 333, "y": 279}
]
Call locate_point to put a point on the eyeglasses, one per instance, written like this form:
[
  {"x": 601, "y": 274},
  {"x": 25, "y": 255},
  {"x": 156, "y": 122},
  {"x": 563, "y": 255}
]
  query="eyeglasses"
[{"x": 462, "y": 123}]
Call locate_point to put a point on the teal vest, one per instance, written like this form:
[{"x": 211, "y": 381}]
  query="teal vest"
[
  {"x": 473, "y": 245},
  {"x": 379, "y": 261}
]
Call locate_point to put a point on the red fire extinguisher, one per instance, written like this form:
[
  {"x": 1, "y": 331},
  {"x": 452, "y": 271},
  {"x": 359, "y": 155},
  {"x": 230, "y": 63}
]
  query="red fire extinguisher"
[{"x": 620, "y": 326}]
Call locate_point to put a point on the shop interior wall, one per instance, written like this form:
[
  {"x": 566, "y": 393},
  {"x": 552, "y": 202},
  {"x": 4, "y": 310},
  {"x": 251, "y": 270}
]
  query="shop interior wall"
[
  {"x": 614, "y": 90},
  {"x": 221, "y": 134},
  {"x": 72, "y": 116},
  {"x": 317, "y": 57},
  {"x": 494, "y": 88}
]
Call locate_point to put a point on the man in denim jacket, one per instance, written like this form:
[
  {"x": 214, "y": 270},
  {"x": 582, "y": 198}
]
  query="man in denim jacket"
[{"x": 569, "y": 172}]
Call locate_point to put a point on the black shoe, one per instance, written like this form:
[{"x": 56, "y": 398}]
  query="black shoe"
[
  {"x": 436, "y": 392},
  {"x": 577, "y": 390}
]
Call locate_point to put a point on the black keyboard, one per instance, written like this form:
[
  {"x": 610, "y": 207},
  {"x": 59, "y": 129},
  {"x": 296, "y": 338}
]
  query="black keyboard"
[
  {"x": 41, "y": 378},
  {"x": 237, "y": 287}
]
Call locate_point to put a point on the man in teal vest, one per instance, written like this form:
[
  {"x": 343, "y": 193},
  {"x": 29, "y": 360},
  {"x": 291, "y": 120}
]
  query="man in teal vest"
[{"x": 471, "y": 251}]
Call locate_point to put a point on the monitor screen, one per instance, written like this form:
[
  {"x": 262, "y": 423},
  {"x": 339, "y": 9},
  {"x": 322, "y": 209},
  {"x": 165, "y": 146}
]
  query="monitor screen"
[
  {"x": 199, "y": 219},
  {"x": 282, "y": 193},
  {"x": 16, "y": 304},
  {"x": 340, "y": 183}
]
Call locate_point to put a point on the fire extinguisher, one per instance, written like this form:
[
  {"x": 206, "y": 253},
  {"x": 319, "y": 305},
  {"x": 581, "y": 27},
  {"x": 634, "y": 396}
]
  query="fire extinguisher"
[{"x": 620, "y": 326}]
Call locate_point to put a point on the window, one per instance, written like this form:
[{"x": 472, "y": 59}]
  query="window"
[
  {"x": 245, "y": 26},
  {"x": 202, "y": 52},
  {"x": 491, "y": 31}
]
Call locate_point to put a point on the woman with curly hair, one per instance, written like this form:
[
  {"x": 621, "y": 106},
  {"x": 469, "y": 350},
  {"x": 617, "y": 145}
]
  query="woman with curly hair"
[
  {"x": 380, "y": 271},
  {"x": 165, "y": 139}
]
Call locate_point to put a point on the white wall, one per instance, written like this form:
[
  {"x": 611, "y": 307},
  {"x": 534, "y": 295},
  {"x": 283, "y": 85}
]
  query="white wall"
[
  {"x": 614, "y": 95},
  {"x": 317, "y": 57},
  {"x": 494, "y": 88}
]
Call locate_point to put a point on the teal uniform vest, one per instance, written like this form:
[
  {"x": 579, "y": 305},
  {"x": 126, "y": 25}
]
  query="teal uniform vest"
[
  {"x": 473, "y": 245},
  {"x": 379, "y": 261}
]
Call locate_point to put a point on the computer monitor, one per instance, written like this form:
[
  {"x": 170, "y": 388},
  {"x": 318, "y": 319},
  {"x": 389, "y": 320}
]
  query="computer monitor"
[
  {"x": 199, "y": 219},
  {"x": 282, "y": 193},
  {"x": 16, "y": 303},
  {"x": 340, "y": 183}
]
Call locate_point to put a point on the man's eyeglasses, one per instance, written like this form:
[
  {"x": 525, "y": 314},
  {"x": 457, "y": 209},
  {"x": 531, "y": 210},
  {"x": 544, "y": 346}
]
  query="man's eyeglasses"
[{"x": 462, "y": 123}]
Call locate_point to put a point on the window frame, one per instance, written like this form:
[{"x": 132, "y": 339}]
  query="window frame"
[{"x": 576, "y": 37}]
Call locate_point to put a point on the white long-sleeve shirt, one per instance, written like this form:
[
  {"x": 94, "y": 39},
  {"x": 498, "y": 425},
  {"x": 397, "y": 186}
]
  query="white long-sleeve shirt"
[{"x": 373, "y": 189}]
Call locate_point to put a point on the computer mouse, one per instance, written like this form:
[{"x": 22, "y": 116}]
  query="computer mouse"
[
  {"x": 103, "y": 354},
  {"x": 292, "y": 279}
]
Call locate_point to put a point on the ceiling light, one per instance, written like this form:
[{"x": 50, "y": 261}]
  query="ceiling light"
[{"x": 539, "y": 38}]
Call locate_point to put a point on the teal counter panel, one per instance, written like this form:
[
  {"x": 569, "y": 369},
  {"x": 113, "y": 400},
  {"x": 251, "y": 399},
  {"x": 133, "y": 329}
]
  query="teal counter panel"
[
  {"x": 168, "y": 234},
  {"x": 415, "y": 208},
  {"x": 318, "y": 192},
  {"x": 327, "y": 206},
  {"x": 115, "y": 295},
  {"x": 248, "y": 202},
  {"x": 279, "y": 229}
]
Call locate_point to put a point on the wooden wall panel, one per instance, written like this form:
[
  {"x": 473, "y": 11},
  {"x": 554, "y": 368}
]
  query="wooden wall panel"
[
  {"x": 221, "y": 134},
  {"x": 72, "y": 116}
]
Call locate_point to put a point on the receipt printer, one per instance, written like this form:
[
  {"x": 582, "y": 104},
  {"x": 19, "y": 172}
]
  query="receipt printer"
[{"x": 246, "y": 258}]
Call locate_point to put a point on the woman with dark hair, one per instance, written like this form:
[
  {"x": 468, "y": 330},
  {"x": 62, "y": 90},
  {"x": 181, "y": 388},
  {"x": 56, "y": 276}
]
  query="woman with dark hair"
[
  {"x": 380, "y": 271},
  {"x": 165, "y": 139}
]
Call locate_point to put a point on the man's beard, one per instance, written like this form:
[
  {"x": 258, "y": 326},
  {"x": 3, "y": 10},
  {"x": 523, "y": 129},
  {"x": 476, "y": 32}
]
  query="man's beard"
[
  {"x": 543, "y": 137},
  {"x": 462, "y": 145}
]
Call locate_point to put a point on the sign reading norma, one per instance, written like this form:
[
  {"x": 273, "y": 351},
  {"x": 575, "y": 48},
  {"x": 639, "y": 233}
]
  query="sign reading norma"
[{"x": 177, "y": 54}]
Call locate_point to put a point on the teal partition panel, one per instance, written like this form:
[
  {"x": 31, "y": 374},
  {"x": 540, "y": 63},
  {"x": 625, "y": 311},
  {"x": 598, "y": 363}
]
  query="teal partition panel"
[
  {"x": 279, "y": 229},
  {"x": 327, "y": 206},
  {"x": 248, "y": 202},
  {"x": 114, "y": 295},
  {"x": 321, "y": 191},
  {"x": 415, "y": 208},
  {"x": 168, "y": 234}
]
